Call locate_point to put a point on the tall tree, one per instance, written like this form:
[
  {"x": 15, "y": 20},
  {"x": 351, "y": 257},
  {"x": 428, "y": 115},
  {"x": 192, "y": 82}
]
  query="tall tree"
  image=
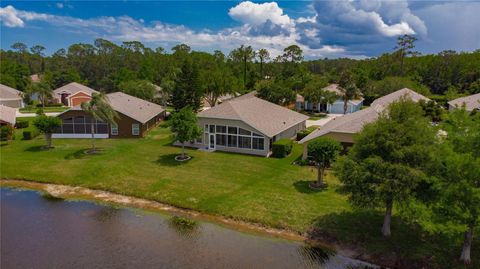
[
  {"x": 99, "y": 109},
  {"x": 187, "y": 91},
  {"x": 184, "y": 125},
  {"x": 313, "y": 92},
  {"x": 215, "y": 83},
  {"x": 404, "y": 48},
  {"x": 263, "y": 56},
  {"x": 43, "y": 89},
  {"x": 387, "y": 162},
  {"x": 245, "y": 55},
  {"x": 142, "y": 89}
]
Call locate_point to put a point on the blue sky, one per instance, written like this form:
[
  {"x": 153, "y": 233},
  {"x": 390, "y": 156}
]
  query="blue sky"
[{"x": 327, "y": 28}]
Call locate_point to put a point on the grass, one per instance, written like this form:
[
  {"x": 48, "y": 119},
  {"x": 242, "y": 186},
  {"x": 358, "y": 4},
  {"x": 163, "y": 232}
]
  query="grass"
[
  {"x": 18, "y": 134},
  {"x": 314, "y": 115},
  {"x": 269, "y": 191},
  {"x": 46, "y": 109}
]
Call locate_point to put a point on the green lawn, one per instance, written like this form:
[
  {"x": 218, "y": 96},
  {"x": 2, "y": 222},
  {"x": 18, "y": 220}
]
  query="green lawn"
[{"x": 265, "y": 190}]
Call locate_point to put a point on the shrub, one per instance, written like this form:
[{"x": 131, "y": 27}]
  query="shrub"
[
  {"x": 51, "y": 105},
  {"x": 22, "y": 124},
  {"x": 6, "y": 132},
  {"x": 282, "y": 148},
  {"x": 29, "y": 135},
  {"x": 302, "y": 134}
]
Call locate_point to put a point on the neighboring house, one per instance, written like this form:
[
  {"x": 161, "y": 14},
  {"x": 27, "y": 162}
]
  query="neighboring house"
[
  {"x": 135, "y": 118},
  {"x": 35, "y": 78},
  {"x": 344, "y": 128},
  {"x": 7, "y": 115},
  {"x": 248, "y": 125},
  {"x": 334, "y": 108},
  {"x": 10, "y": 97},
  {"x": 471, "y": 102},
  {"x": 73, "y": 94}
]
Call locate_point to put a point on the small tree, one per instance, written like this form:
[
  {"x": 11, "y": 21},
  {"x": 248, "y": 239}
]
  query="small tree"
[
  {"x": 184, "y": 125},
  {"x": 387, "y": 162},
  {"x": 323, "y": 151},
  {"x": 99, "y": 108},
  {"x": 47, "y": 125}
]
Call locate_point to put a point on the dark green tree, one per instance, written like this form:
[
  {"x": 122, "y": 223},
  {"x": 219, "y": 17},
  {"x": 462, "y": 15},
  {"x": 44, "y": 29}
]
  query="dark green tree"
[
  {"x": 47, "y": 125},
  {"x": 323, "y": 151},
  {"x": 187, "y": 91},
  {"x": 184, "y": 126}
]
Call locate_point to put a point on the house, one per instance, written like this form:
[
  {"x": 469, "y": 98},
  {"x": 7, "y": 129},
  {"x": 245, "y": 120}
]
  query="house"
[
  {"x": 344, "y": 128},
  {"x": 135, "y": 118},
  {"x": 35, "y": 78},
  {"x": 7, "y": 115},
  {"x": 247, "y": 124},
  {"x": 471, "y": 102},
  {"x": 334, "y": 108},
  {"x": 73, "y": 94},
  {"x": 10, "y": 97}
]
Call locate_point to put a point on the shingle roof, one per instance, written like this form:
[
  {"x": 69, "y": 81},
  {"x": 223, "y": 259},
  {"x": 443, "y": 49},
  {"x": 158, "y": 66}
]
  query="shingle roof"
[
  {"x": 73, "y": 88},
  {"x": 268, "y": 118},
  {"x": 471, "y": 102},
  {"x": 133, "y": 107},
  {"x": 8, "y": 114},
  {"x": 354, "y": 122},
  {"x": 9, "y": 93}
]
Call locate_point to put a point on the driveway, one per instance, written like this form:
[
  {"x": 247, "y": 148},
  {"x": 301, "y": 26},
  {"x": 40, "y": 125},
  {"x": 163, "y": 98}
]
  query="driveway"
[
  {"x": 322, "y": 121},
  {"x": 34, "y": 114}
]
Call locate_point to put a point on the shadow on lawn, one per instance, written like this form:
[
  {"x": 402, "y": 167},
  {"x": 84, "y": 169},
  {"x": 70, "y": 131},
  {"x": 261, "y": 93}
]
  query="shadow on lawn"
[
  {"x": 408, "y": 247},
  {"x": 169, "y": 160},
  {"x": 303, "y": 187},
  {"x": 82, "y": 153},
  {"x": 36, "y": 148}
]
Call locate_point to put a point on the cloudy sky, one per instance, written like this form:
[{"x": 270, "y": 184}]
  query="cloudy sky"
[{"x": 328, "y": 28}]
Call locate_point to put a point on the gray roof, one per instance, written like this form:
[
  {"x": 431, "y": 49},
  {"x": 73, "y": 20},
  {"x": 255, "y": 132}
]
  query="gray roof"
[
  {"x": 133, "y": 107},
  {"x": 8, "y": 114},
  {"x": 268, "y": 118},
  {"x": 471, "y": 102},
  {"x": 9, "y": 93},
  {"x": 354, "y": 122},
  {"x": 73, "y": 88}
]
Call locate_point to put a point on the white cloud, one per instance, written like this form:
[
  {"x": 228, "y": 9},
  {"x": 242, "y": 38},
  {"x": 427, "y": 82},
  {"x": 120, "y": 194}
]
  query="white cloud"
[
  {"x": 256, "y": 14},
  {"x": 59, "y": 5},
  {"x": 10, "y": 17}
]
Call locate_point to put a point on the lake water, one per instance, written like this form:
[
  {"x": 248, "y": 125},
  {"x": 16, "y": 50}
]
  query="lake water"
[{"x": 37, "y": 232}]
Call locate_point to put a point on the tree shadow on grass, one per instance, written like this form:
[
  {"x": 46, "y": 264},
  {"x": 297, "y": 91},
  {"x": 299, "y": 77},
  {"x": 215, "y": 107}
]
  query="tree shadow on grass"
[
  {"x": 82, "y": 153},
  {"x": 303, "y": 187},
  {"x": 3, "y": 144},
  {"x": 169, "y": 160},
  {"x": 37, "y": 148},
  {"x": 408, "y": 247}
]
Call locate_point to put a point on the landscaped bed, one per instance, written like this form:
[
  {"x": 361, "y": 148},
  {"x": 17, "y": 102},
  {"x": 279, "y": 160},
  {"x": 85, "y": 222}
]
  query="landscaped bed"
[{"x": 269, "y": 191}]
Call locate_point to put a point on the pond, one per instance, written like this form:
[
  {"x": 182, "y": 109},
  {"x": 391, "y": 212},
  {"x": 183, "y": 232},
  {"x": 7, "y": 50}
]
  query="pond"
[{"x": 40, "y": 232}]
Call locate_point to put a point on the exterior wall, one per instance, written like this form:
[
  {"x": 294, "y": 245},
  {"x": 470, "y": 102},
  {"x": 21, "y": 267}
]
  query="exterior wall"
[
  {"x": 15, "y": 103},
  {"x": 346, "y": 139},
  {"x": 292, "y": 131},
  {"x": 335, "y": 108},
  {"x": 205, "y": 140},
  {"x": 78, "y": 99}
]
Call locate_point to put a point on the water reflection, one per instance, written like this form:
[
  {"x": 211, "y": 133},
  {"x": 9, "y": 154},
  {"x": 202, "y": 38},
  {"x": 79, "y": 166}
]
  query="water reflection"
[{"x": 41, "y": 233}]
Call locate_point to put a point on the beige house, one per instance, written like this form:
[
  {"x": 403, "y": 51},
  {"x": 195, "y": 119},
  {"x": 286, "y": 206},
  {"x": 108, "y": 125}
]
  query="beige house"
[
  {"x": 344, "y": 128},
  {"x": 73, "y": 94},
  {"x": 7, "y": 115},
  {"x": 248, "y": 125},
  {"x": 471, "y": 102},
  {"x": 10, "y": 97}
]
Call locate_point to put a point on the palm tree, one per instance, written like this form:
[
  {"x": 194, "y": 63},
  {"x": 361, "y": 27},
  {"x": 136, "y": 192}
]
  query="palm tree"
[
  {"x": 100, "y": 109},
  {"x": 349, "y": 92},
  {"x": 263, "y": 55},
  {"x": 44, "y": 91}
]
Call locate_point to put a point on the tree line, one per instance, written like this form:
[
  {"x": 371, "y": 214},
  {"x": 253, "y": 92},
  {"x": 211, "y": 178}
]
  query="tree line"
[{"x": 187, "y": 76}]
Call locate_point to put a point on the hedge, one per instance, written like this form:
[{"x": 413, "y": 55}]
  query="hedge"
[
  {"x": 302, "y": 134},
  {"x": 6, "y": 132},
  {"x": 22, "y": 124},
  {"x": 282, "y": 148},
  {"x": 29, "y": 135}
]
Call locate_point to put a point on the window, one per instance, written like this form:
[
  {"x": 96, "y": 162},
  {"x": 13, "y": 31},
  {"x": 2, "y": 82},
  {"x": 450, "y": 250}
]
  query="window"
[
  {"x": 199, "y": 140},
  {"x": 221, "y": 129},
  {"x": 232, "y": 130},
  {"x": 212, "y": 129},
  {"x": 259, "y": 135},
  {"x": 114, "y": 129},
  {"x": 232, "y": 141},
  {"x": 135, "y": 129},
  {"x": 258, "y": 143},
  {"x": 221, "y": 139},
  {"x": 244, "y": 142},
  {"x": 206, "y": 128},
  {"x": 244, "y": 132}
]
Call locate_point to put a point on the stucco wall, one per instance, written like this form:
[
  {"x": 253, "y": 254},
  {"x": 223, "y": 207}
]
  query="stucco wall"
[{"x": 12, "y": 103}]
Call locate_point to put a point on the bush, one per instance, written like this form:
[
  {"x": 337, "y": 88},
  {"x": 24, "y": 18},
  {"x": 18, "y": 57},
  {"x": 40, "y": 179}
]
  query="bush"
[
  {"x": 302, "y": 134},
  {"x": 282, "y": 148},
  {"x": 29, "y": 135},
  {"x": 6, "y": 132},
  {"x": 22, "y": 124},
  {"x": 51, "y": 105}
]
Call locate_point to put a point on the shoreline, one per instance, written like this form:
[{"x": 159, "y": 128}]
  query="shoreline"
[{"x": 110, "y": 198}]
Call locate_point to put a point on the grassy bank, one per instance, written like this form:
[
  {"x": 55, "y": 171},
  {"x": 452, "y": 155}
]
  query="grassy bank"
[{"x": 268, "y": 191}]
